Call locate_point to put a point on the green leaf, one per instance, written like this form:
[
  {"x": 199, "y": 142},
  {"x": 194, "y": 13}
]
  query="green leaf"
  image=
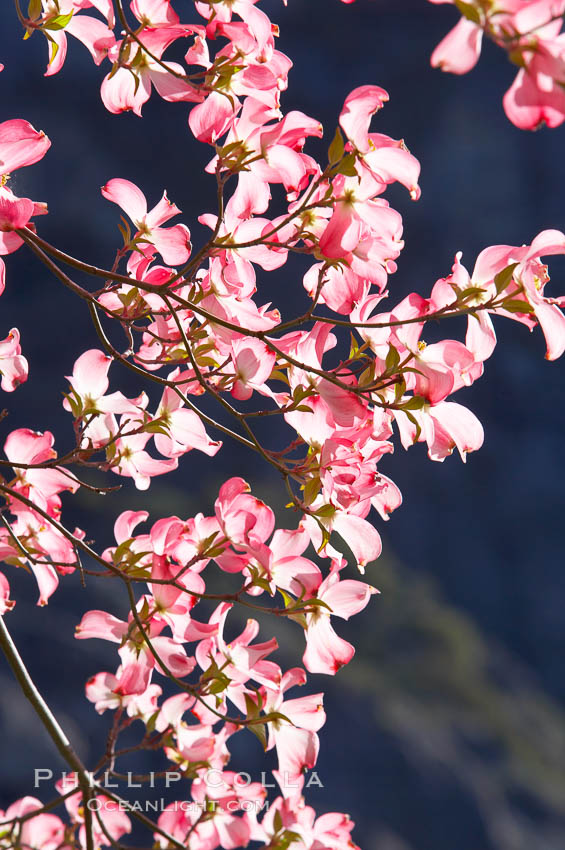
[
  {"x": 517, "y": 58},
  {"x": 503, "y": 278},
  {"x": 53, "y": 46},
  {"x": 258, "y": 580},
  {"x": 215, "y": 680},
  {"x": 58, "y": 23},
  {"x": 136, "y": 79},
  {"x": 224, "y": 150},
  {"x": 300, "y": 619},
  {"x": 415, "y": 403},
  {"x": 278, "y": 821},
  {"x": 191, "y": 772},
  {"x": 34, "y": 9},
  {"x": 301, "y": 393},
  {"x": 276, "y": 715},
  {"x": 125, "y": 230},
  {"x": 150, "y": 724},
  {"x": 399, "y": 389},
  {"x": 140, "y": 573},
  {"x": 277, "y": 375},
  {"x": 156, "y": 427},
  {"x": 354, "y": 348},
  {"x": 311, "y": 490},
  {"x": 204, "y": 348},
  {"x": 121, "y": 550},
  {"x": 471, "y": 292},
  {"x": 317, "y": 603},
  {"x": 289, "y": 601},
  {"x": 205, "y": 544},
  {"x": 367, "y": 377},
  {"x": 75, "y": 403},
  {"x": 210, "y": 808},
  {"x": 217, "y": 686},
  {"x": 144, "y": 612},
  {"x": 127, "y": 298},
  {"x": 287, "y": 839},
  {"x": 337, "y": 148},
  {"x": 262, "y": 583},
  {"x": 468, "y": 11},
  {"x": 214, "y": 552},
  {"x": 259, "y": 731},
  {"x": 347, "y": 166},
  {"x": 325, "y": 511},
  {"x": 251, "y": 707},
  {"x": 414, "y": 422},
  {"x": 392, "y": 359},
  {"x": 514, "y": 305}
]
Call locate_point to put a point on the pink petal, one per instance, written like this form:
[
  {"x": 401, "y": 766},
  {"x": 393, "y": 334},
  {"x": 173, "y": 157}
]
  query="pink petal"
[
  {"x": 161, "y": 213},
  {"x": 529, "y": 107},
  {"x": 6, "y": 604},
  {"x": 120, "y": 92},
  {"x": 552, "y": 323},
  {"x": 356, "y": 114},
  {"x": 173, "y": 243},
  {"x": 325, "y": 651},
  {"x": 128, "y": 196},
  {"x": 211, "y": 119},
  {"x": 20, "y": 145},
  {"x": 14, "y": 212},
  {"x": 306, "y": 712},
  {"x": 101, "y": 624},
  {"x": 348, "y": 597},
  {"x": 90, "y": 373},
  {"x": 170, "y": 87},
  {"x": 154, "y": 11},
  {"x": 363, "y": 540},
  {"x": 459, "y": 51},
  {"x": 93, "y": 33},
  {"x": 126, "y": 523},
  {"x": 47, "y": 580}
]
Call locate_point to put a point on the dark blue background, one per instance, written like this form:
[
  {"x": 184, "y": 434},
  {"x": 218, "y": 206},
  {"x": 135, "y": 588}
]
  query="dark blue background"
[{"x": 447, "y": 730}]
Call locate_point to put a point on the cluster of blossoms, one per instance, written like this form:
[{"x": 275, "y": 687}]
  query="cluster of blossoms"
[
  {"x": 194, "y": 327},
  {"x": 219, "y": 673},
  {"x": 40, "y": 829},
  {"x": 530, "y": 32}
]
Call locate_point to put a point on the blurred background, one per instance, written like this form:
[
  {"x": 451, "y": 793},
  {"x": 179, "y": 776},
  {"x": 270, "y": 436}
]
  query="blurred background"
[{"x": 447, "y": 730}]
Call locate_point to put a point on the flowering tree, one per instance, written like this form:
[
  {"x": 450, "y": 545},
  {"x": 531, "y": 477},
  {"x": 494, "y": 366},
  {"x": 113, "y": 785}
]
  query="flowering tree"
[{"x": 349, "y": 377}]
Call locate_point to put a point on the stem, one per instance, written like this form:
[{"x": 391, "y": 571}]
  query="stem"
[
  {"x": 63, "y": 745},
  {"x": 135, "y": 37},
  {"x": 162, "y": 381},
  {"x": 50, "y": 723}
]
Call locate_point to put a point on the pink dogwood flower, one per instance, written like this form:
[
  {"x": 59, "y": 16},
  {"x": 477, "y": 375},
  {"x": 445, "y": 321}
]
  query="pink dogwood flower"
[
  {"x": 173, "y": 243},
  {"x": 13, "y": 365},
  {"x": 45, "y": 830},
  {"x": 20, "y": 145},
  {"x": 325, "y": 651},
  {"x": 89, "y": 383},
  {"x": 6, "y": 604},
  {"x": 185, "y": 430},
  {"x": 295, "y": 739},
  {"x": 96, "y": 35}
]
